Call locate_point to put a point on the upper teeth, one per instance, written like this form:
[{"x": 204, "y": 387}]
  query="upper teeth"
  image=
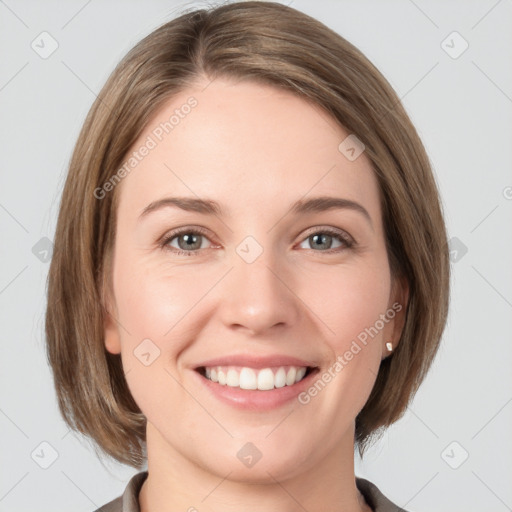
[{"x": 249, "y": 378}]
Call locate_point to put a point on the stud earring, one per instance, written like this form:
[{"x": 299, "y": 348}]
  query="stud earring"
[{"x": 389, "y": 346}]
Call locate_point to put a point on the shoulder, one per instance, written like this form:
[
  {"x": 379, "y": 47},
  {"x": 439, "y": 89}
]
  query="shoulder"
[
  {"x": 129, "y": 500},
  {"x": 374, "y": 497},
  {"x": 112, "y": 506}
]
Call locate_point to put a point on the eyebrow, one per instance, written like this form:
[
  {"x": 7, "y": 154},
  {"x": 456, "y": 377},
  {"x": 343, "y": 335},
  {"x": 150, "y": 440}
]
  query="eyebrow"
[{"x": 211, "y": 207}]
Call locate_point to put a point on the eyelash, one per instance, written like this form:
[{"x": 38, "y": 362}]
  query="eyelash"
[{"x": 348, "y": 241}]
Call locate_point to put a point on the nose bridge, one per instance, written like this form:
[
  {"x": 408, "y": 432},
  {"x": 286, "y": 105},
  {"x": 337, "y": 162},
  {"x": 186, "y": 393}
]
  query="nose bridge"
[{"x": 257, "y": 297}]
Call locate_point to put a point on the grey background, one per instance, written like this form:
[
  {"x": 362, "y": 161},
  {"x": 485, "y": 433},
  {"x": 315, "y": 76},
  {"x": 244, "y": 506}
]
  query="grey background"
[{"x": 462, "y": 108}]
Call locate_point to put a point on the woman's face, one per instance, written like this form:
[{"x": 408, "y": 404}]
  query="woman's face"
[{"x": 253, "y": 290}]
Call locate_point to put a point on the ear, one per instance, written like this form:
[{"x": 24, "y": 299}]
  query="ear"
[
  {"x": 112, "y": 341},
  {"x": 396, "y": 313},
  {"x": 110, "y": 328}
]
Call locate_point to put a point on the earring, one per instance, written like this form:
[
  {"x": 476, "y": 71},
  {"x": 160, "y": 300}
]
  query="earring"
[{"x": 389, "y": 346}]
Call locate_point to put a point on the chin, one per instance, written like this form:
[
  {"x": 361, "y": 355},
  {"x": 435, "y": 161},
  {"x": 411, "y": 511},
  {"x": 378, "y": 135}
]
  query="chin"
[{"x": 258, "y": 462}]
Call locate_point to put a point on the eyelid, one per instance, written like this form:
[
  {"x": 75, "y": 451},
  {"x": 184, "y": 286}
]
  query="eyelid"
[{"x": 341, "y": 233}]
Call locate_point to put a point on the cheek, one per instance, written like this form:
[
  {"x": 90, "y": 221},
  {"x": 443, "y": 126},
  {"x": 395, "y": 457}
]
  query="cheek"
[
  {"x": 154, "y": 301},
  {"x": 154, "y": 308},
  {"x": 351, "y": 309},
  {"x": 351, "y": 301}
]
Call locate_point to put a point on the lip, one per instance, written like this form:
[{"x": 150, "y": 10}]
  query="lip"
[
  {"x": 255, "y": 400},
  {"x": 256, "y": 362}
]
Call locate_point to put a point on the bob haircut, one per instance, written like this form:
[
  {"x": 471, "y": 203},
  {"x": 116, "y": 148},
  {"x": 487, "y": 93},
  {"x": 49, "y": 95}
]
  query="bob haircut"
[{"x": 270, "y": 44}]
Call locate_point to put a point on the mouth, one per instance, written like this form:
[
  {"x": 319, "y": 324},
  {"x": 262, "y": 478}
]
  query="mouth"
[
  {"x": 256, "y": 382},
  {"x": 261, "y": 379}
]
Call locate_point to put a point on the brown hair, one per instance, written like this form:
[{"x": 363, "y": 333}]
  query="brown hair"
[{"x": 275, "y": 45}]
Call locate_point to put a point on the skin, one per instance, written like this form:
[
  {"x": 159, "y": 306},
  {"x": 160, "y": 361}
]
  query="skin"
[{"x": 246, "y": 145}]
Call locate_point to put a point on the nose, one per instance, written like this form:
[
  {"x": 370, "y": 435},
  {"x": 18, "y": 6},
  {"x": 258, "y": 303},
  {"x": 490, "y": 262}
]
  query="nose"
[{"x": 259, "y": 297}]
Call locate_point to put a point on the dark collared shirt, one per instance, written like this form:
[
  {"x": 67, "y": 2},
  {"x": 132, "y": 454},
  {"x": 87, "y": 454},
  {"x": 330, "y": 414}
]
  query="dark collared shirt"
[{"x": 129, "y": 500}]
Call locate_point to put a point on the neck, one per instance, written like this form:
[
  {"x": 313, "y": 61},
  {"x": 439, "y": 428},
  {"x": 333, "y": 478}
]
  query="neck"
[{"x": 175, "y": 482}]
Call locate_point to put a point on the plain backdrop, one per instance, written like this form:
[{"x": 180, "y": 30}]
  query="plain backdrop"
[{"x": 453, "y": 448}]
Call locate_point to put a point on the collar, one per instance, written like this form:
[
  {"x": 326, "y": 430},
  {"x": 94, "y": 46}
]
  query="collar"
[{"x": 129, "y": 500}]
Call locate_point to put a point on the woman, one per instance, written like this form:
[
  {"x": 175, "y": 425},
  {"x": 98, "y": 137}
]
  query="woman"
[{"x": 251, "y": 271}]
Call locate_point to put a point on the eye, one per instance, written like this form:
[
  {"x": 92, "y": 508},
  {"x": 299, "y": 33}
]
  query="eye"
[
  {"x": 189, "y": 241},
  {"x": 323, "y": 239}
]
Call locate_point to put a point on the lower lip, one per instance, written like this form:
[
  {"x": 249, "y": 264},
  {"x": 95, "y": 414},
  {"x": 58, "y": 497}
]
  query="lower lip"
[{"x": 256, "y": 399}]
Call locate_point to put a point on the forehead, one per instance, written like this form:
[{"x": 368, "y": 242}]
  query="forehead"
[{"x": 246, "y": 145}]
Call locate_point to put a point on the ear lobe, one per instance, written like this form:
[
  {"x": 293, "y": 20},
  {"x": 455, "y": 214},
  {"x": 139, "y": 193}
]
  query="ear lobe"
[
  {"x": 398, "y": 303},
  {"x": 111, "y": 334}
]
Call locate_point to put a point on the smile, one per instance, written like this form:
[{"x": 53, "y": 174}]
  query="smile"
[
  {"x": 263, "y": 379},
  {"x": 255, "y": 382}
]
